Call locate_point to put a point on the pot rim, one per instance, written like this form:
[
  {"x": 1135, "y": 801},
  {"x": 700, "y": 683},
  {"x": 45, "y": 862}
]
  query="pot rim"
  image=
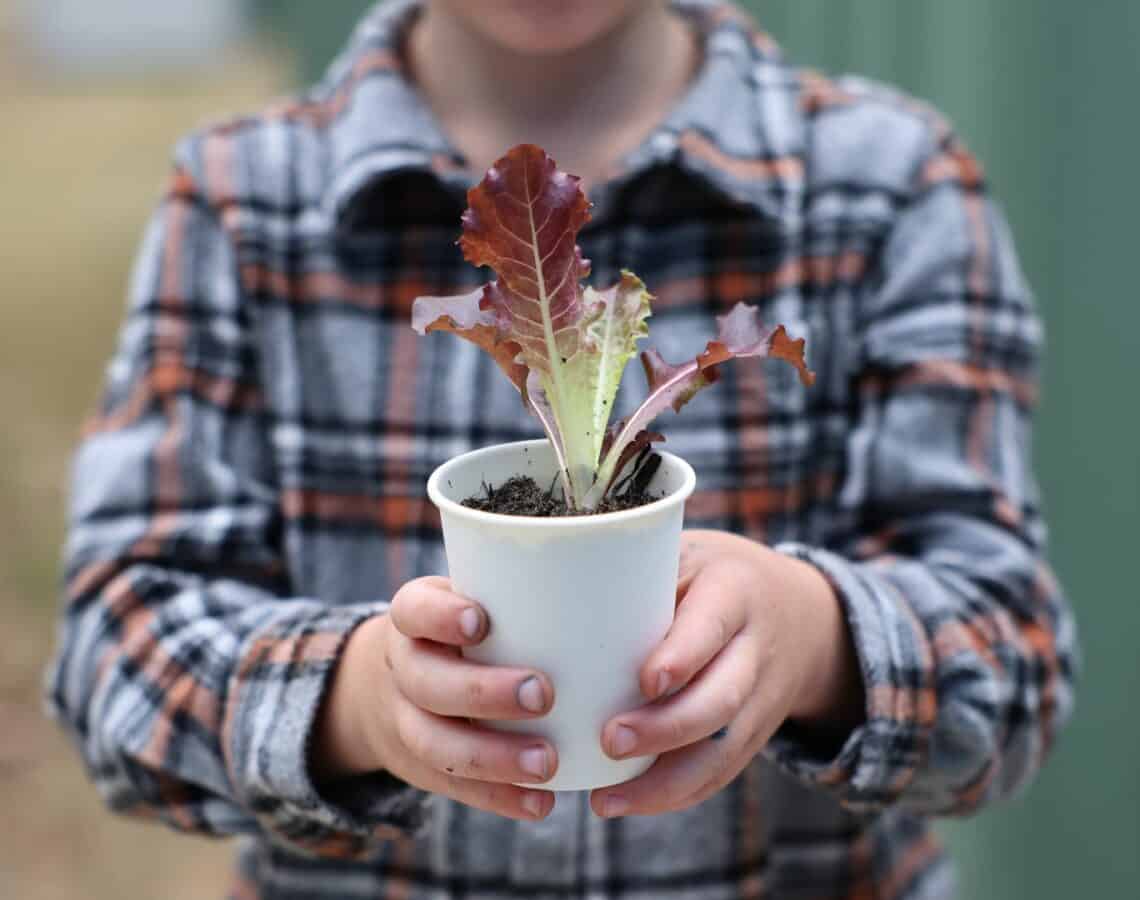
[{"x": 625, "y": 516}]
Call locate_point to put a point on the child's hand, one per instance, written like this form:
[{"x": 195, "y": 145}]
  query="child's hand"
[
  {"x": 759, "y": 637},
  {"x": 401, "y": 693}
]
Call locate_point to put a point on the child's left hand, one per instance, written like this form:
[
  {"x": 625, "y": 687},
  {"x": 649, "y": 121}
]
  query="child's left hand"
[{"x": 759, "y": 637}]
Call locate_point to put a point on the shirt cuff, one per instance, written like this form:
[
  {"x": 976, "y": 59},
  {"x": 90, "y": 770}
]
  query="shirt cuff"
[
  {"x": 274, "y": 694},
  {"x": 880, "y": 758}
]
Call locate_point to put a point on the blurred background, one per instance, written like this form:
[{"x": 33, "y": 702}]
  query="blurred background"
[{"x": 93, "y": 96}]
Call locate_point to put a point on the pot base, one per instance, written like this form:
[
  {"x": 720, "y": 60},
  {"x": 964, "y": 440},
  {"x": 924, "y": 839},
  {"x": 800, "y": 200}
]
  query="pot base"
[{"x": 622, "y": 771}]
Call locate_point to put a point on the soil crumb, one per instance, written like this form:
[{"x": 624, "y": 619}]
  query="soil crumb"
[{"x": 522, "y": 496}]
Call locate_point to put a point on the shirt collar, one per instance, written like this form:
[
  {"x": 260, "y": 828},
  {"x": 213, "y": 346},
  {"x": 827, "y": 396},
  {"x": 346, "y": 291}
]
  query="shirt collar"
[{"x": 738, "y": 126}]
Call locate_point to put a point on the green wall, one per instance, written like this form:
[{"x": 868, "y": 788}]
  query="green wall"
[
  {"x": 1045, "y": 92},
  {"x": 314, "y": 31}
]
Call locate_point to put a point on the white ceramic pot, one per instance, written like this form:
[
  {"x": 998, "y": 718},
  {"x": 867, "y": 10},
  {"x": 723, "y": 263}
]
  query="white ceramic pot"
[{"x": 584, "y": 599}]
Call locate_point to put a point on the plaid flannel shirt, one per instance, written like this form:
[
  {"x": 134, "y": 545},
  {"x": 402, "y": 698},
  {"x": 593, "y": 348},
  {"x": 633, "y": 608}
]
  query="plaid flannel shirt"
[{"x": 253, "y": 485}]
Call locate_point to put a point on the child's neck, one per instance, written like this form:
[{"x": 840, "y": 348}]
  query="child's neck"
[{"x": 587, "y": 108}]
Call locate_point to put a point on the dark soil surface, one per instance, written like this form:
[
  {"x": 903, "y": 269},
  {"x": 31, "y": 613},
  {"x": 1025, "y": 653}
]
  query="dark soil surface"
[{"x": 522, "y": 496}]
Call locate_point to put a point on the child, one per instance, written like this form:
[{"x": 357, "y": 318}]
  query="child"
[{"x": 258, "y": 640}]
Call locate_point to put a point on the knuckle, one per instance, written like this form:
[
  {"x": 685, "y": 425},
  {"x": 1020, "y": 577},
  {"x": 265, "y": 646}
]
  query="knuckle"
[
  {"x": 497, "y": 797},
  {"x": 406, "y": 680},
  {"x": 426, "y": 749},
  {"x": 419, "y": 683},
  {"x": 396, "y": 642},
  {"x": 417, "y": 743},
  {"x": 401, "y": 601},
  {"x": 406, "y": 683},
  {"x": 676, "y": 730},
  {"x": 720, "y": 766},
  {"x": 406, "y": 731},
  {"x": 396, "y": 653},
  {"x": 731, "y": 703},
  {"x": 723, "y": 772},
  {"x": 738, "y": 571},
  {"x": 722, "y": 628},
  {"x": 475, "y": 695},
  {"x": 666, "y": 798},
  {"x": 455, "y": 786},
  {"x": 407, "y": 607},
  {"x": 766, "y": 650},
  {"x": 672, "y": 797},
  {"x": 707, "y": 791}
]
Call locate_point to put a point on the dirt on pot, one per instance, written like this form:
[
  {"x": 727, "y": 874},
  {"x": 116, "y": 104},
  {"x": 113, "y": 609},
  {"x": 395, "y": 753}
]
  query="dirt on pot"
[{"x": 523, "y": 496}]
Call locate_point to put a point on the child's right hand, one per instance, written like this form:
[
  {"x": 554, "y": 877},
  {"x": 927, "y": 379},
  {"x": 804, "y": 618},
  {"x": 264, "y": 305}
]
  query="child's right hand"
[{"x": 402, "y": 695}]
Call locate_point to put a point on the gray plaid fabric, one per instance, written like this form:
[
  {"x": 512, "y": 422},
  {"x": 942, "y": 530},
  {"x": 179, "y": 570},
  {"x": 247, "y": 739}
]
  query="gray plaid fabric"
[{"x": 252, "y": 486}]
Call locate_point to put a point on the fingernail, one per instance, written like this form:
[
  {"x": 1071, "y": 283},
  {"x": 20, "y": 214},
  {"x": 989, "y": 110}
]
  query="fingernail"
[
  {"x": 469, "y": 623},
  {"x": 624, "y": 740},
  {"x": 615, "y": 805},
  {"x": 531, "y": 697},
  {"x": 663, "y": 680},
  {"x": 532, "y": 803},
  {"x": 534, "y": 762}
]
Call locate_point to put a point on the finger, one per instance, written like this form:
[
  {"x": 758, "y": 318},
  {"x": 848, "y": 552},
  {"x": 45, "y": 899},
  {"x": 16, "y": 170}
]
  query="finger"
[
  {"x": 673, "y": 778},
  {"x": 692, "y": 559},
  {"x": 458, "y": 748},
  {"x": 502, "y": 799},
  {"x": 667, "y": 786},
  {"x": 698, "y": 547},
  {"x": 436, "y": 679},
  {"x": 711, "y": 613},
  {"x": 714, "y": 699},
  {"x": 428, "y": 608},
  {"x": 717, "y": 784},
  {"x": 759, "y": 740}
]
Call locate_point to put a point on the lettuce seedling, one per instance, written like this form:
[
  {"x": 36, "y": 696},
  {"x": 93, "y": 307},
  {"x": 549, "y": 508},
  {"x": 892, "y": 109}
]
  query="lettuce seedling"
[{"x": 565, "y": 346}]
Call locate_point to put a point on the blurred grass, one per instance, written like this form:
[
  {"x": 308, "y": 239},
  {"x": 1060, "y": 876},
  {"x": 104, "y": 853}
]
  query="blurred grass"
[{"x": 81, "y": 166}]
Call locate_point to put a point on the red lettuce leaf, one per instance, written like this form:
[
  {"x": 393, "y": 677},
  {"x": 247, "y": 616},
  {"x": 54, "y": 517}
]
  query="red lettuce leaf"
[
  {"x": 472, "y": 316},
  {"x": 741, "y": 334},
  {"x": 566, "y": 348},
  {"x": 523, "y": 221}
]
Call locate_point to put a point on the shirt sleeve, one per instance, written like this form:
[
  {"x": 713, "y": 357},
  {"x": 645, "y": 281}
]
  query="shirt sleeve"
[
  {"x": 186, "y": 673},
  {"x": 966, "y": 644}
]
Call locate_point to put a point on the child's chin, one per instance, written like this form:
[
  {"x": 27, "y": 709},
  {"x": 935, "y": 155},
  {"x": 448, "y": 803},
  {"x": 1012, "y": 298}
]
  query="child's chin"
[{"x": 547, "y": 27}]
